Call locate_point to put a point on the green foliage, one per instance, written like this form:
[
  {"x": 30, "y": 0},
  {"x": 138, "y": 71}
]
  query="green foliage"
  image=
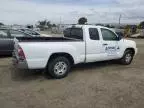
[
  {"x": 30, "y": 26},
  {"x": 49, "y": 24},
  {"x": 127, "y": 30},
  {"x": 133, "y": 29},
  {"x": 42, "y": 23},
  {"x": 53, "y": 25},
  {"x": 108, "y": 26},
  {"x": 45, "y": 25},
  {"x": 82, "y": 20},
  {"x": 141, "y": 25},
  {"x": 1, "y": 24}
]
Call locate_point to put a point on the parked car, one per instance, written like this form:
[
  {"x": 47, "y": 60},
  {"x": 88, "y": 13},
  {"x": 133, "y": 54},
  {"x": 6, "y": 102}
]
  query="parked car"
[
  {"x": 6, "y": 39},
  {"x": 80, "y": 44},
  {"x": 34, "y": 33}
]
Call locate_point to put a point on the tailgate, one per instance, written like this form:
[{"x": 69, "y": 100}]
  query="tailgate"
[
  {"x": 15, "y": 51},
  {"x": 18, "y": 61}
]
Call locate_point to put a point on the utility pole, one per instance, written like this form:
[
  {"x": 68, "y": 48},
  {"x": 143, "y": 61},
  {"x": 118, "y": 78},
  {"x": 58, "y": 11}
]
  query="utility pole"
[
  {"x": 60, "y": 24},
  {"x": 120, "y": 19},
  {"x": 60, "y": 20}
]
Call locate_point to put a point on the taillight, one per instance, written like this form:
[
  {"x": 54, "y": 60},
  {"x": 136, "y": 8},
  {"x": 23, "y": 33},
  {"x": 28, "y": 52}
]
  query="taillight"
[{"x": 21, "y": 54}]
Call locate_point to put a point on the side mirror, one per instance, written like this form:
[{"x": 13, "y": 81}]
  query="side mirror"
[
  {"x": 119, "y": 38},
  {"x": 119, "y": 35}
]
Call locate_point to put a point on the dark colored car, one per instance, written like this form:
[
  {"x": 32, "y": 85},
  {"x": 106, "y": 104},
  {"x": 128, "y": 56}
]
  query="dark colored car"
[{"x": 6, "y": 39}]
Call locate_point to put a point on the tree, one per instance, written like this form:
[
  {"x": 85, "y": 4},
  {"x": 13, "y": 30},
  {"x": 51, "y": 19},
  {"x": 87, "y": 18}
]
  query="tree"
[
  {"x": 127, "y": 31},
  {"x": 108, "y": 26},
  {"x": 141, "y": 25},
  {"x": 53, "y": 25},
  {"x": 1, "y": 24},
  {"x": 49, "y": 24},
  {"x": 82, "y": 20},
  {"x": 29, "y": 26},
  {"x": 134, "y": 29},
  {"x": 42, "y": 24},
  {"x": 99, "y": 24}
]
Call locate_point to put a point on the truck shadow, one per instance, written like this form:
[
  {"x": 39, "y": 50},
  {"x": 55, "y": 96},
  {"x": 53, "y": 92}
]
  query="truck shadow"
[
  {"x": 95, "y": 65},
  {"x": 27, "y": 75},
  {"x": 5, "y": 56}
]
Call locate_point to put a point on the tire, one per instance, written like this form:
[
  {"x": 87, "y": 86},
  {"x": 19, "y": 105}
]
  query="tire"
[
  {"x": 59, "y": 67},
  {"x": 127, "y": 57}
]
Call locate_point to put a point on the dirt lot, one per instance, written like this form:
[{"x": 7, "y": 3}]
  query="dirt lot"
[{"x": 97, "y": 85}]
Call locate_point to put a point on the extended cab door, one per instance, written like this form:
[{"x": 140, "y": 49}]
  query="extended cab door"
[
  {"x": 110, "y": 44},
  {"x": 94, "y": 51}
]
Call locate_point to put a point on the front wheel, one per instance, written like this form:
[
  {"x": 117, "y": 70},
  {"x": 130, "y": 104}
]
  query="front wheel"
[
  {"x": 59, "y": 67},
  {"x": 127, "y": 57}
]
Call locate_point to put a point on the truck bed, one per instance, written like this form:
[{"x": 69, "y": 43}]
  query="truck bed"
[{"x": 46, "y": 39}]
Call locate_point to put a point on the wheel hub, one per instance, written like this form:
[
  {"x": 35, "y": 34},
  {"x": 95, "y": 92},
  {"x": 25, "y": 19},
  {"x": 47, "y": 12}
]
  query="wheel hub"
[
  {"x": 128, "y": 58},
  {"x": 60, "y": 68}
]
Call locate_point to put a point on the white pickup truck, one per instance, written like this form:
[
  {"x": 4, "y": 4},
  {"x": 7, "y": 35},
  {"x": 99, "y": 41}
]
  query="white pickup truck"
[{"x": 80, "y": 44}]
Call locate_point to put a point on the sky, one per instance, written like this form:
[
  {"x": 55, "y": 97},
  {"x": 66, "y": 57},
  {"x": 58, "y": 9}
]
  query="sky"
[{"x": 69, "y": 11}]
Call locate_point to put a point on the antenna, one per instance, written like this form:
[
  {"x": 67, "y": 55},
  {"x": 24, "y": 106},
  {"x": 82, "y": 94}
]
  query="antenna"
[{"x": 60, "y": 20}]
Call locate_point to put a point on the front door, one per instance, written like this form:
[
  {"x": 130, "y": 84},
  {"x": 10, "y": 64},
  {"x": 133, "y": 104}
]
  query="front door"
[{"x": 110, "y": 44}]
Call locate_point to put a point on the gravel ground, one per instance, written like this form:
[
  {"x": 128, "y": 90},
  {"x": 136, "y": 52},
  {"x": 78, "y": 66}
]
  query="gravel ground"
[{"x": 96, "y": 85}]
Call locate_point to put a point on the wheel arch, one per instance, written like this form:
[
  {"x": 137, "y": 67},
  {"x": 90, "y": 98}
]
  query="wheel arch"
[
  {"x": 132, "y": 49},
  {"x": 67, "y": 55}
]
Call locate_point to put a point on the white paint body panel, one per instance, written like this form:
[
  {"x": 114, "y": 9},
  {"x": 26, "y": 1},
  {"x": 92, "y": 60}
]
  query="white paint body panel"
[{"x": 38, "y": 53}]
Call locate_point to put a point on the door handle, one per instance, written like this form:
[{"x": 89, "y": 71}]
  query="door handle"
[{"x": 105, "y": 44}]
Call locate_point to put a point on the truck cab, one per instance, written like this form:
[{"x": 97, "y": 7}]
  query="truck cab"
[{"x": 101, "y": 43}]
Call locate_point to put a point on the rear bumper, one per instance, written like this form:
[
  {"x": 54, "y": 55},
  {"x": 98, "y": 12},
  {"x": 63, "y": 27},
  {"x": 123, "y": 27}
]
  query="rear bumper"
[{"x": 20, "y": 64}]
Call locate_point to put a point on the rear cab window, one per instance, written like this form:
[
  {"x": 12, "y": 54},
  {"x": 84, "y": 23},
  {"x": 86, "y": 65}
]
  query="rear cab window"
[{"x": 74, "y": 33}]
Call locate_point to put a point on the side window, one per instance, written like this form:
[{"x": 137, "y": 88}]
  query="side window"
[
  {"x": 15, "y": 33},
  {"x": 77, "y": 33},
  {"x": 94, "y": 34},
  {"x": 3, "y": 34},
  {"x": 108, "y": 35}
]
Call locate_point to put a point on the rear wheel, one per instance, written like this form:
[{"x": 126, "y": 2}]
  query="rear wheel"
[
  {"x": 59, "y": 67},
  {"x": 127, "y": 57}
]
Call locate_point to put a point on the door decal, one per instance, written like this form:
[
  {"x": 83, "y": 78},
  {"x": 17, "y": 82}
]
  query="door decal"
[{"x": 111, "y": 50}]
